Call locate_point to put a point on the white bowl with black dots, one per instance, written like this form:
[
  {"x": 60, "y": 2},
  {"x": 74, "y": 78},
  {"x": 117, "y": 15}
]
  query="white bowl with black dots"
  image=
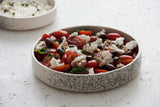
[
  {"x": 88, "y": 82},
  {"x": 13, "y": 22}
]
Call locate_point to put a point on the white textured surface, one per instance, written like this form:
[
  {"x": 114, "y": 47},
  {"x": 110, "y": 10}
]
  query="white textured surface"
[{"x": 141, "y": 19}]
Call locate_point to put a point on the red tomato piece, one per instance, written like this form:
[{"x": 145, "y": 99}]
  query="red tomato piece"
[
  {"x": 61, "y": 68},
  {"x": 85, "y": 32},
  {"x": 65, "y": 56},
  {"x": 60, "y": 33},
  {"x": 76, "y": 41},
  {"x": 112, "y": 36},
  {"x": 55, "y": 45},
  {"x": 71, "y": 57},
  {"x": 93, "y": 38},
  {"x": 92, "y": 64},
  {"x": 45, "y": 35},
  {"x": 125, "y": 59},
  {"x": 99, "y": 71},
  {"x": 46, "y": 61}
]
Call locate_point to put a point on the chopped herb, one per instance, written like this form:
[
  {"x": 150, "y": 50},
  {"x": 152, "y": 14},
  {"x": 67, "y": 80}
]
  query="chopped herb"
[
  {"x": 13, "y": 13},
  {"x": 120, "y": 46},
  {"x": 32, "y": 14},
  {"x": 97, "y": 59},
  {"x": 38, "y": 9},
  {"x": 11, "y": 4},
  {"x": 90, "y": 44},
  {"x": 92, "y": 55},
  {"x": 84, "y": 52},
  {"x": 129, "y": 51},
  {"x": 42, "y": 51},
  {"x": 51, "y": 55},
  {"x": 103, "y": 40},
  {"x": 5, "y": 10},
  {"x": 25, "y": 4},
  {"x": 78, "y": 70}
]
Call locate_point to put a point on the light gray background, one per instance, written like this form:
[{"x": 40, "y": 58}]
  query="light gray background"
[{"x": 139, "y": 18}]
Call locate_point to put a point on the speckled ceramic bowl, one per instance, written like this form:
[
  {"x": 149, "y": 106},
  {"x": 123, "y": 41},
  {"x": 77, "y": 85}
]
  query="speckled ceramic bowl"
[
  {"x": 15, "y": 23},
  {"x": 88, "y": 83}
]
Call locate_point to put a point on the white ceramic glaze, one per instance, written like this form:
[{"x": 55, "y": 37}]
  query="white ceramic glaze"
[
  {"x": 15, "y": 23},
  {"x": 88, "y": 83}
]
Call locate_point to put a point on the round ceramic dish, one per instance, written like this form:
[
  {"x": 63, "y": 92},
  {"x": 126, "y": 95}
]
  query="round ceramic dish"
[
  {"x": 15, "y": 23},
  {"x": 88, "y": 82}
]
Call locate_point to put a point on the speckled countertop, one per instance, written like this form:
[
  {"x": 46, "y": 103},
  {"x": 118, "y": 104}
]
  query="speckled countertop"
[{"x": 140, "y": 18}]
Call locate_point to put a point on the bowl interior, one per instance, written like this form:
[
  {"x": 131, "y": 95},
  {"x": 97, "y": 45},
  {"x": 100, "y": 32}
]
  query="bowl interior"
[{"x": 94, "y": 30}]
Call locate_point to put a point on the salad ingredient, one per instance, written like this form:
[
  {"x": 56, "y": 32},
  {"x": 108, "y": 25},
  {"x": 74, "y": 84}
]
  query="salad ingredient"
[{"x": 60, "y": 33}]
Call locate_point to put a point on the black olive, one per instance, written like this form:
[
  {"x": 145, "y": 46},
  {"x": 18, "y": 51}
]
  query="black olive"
[
  {"x": 68, "y": 69},
  {"x": 89, "y": 57},
  {"x": 60, "y": 40},
  {"x": 109, "y": 67},
  {"x": 114, "y": 54},
  {"x": 99, "y": 46},
  {"x": 61, "y": 52},
  {"x": 103, "y": 36},
  {"x": 48, "y": 42}
]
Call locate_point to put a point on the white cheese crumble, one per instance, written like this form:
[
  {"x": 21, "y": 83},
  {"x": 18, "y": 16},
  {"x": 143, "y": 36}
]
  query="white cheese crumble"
[
  {"x": 41, "y": 45},
  {"x": 63, "y": 45},
  {"x": 79, "y": 61},
  {"x": 106, "y": 58},
  {"x": 74, "y": 49},
  {"x": 52, "y": 38},
  {"x": 98, "y": 41},
  {"x": 91, "y": 71},
  {"x": 100, "y": 33},
  {"x": 115, "y": 48},
  {"x": 120, "y": 65},
  {"x": 74, "y": 34},
  {"x": 23, "y": 8},
  {"x": 131, "y": 45},
  {"x": 55, "y": 63},
  {"x": 118, "y": 41},
  {"x": 85, "y": 37},
  {"x": 90, "y": 47}
]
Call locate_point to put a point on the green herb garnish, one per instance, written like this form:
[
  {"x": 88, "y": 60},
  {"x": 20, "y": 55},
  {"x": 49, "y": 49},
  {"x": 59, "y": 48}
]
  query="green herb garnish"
[
  {"x": 11, "y": 4},
  {"x": 5, "y": 10},
  {"x": 103, "y": 40},
  {"x": 38, "y": 10},
  {"x": 13, "y": 13},
  {"x": 51, "y": 56},
  {"x": 32, "y": 14},
  {"x": 78, "y": 70},
  {"x": 42, "y": 51},
  {"x": 25, "y": 4},
  {"x": 84, "y": 52},
  {"x": 90, "y": 44}
]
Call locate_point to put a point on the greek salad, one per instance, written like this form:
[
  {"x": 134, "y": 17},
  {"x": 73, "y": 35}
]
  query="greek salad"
[{"x": 82, "y": 52}]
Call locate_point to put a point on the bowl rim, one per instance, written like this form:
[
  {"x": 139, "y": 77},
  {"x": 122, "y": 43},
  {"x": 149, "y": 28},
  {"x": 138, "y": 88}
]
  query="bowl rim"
[
  {"x": 84, "y": 75},
  {"x": 32, "y": 17}
]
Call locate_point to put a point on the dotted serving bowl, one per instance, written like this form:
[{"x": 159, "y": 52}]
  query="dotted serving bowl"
[
  {"x": 31, "y": 22},
  {"x": 88, "y": 82}
]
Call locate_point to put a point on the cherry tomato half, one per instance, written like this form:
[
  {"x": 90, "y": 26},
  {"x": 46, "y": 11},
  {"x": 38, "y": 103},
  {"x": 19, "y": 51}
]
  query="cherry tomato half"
[
  {"x": 92, "y": 64},
  {"x": 99, "y": 71},
  {"x": 45, "y": 35},
  {"x": 126, "y": 59},
  {"x": 112, "y": 36},
  {"x": 93, "y": 38},
  {"x": 85, "y": 32},
  {"x": 76, "y": 41},
  {"x": 60, "y": 33},
  {"x": 65, "y": 56}
]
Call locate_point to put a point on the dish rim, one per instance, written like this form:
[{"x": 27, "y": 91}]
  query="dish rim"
[{"x": 84, "y": 75}]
